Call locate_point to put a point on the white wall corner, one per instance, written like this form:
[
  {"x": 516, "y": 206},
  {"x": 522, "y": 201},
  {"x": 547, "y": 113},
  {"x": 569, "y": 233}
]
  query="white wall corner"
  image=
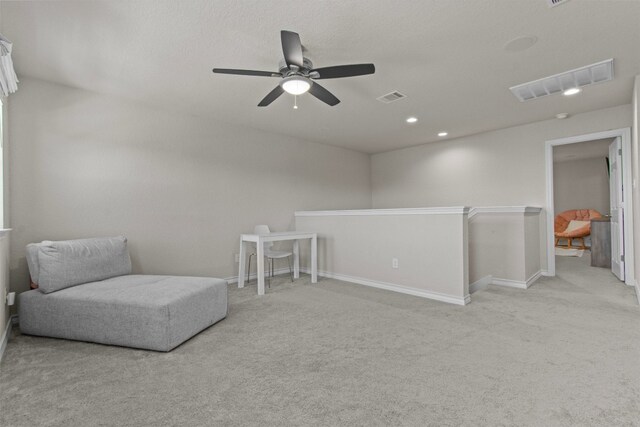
[
  {"x": 480, "y": 284},
  {"x": 531, "y": 280}
]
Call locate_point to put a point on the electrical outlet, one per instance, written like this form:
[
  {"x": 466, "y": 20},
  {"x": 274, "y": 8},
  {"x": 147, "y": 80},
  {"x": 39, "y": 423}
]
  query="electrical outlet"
[
  {"x": 237, "y": 257},
  {"x": 394, "y": 263},
  {"x": 8, "y": 298}
]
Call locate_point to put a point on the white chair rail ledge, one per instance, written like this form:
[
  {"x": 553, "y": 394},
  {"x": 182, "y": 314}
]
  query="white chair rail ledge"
[
  {"x": 393, "y": 211},
  {"x": 504, "y": 210}
]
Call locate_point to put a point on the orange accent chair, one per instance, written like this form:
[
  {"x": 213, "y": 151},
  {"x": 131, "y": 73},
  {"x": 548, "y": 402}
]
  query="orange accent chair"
[{"x": 562, "y": 222}]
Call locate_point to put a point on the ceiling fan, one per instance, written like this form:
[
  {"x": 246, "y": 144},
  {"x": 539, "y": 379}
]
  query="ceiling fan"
[{"x": 298, "y": 75}]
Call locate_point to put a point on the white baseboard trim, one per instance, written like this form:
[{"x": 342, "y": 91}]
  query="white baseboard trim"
[
  {"x": 437, "y": 296},
  {"x": 546, "y": 273},
  {"x": 531, "y": 280},
  {"x": 253, "y": 276},
  {"x": 520, "y": 284},
  {"x": 476, "y": 286},
  {"x": 480, "y": 284},
  {"x": 5, "y": 337}
]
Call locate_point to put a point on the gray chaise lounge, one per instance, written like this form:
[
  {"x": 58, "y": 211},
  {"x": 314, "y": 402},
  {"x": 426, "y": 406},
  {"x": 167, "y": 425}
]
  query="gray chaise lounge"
[{"x": 86, "y": 292}]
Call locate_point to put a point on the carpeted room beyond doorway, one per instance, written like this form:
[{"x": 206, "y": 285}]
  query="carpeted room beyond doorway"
[{"x": 563, "y": 352}]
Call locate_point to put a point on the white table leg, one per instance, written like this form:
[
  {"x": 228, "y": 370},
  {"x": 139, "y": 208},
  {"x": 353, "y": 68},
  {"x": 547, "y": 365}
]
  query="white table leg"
[
  {"x": 296, "y": 259},
  {"x": 243, "y": 260},
  {"x": 260, "y": 263},
  {"x": 314, "y": 259}
]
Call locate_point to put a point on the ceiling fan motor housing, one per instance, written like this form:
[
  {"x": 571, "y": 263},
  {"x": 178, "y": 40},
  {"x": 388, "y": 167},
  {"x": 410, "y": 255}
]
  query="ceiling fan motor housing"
[{"x": 285, "y": 71}]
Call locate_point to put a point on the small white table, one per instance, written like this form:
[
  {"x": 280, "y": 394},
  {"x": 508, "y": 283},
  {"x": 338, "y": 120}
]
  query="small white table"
[{"x": 260, "y": 239}]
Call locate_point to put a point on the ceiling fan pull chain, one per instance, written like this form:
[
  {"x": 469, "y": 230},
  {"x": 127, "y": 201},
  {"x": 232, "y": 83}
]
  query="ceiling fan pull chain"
[{"x": 295, "y": 102}]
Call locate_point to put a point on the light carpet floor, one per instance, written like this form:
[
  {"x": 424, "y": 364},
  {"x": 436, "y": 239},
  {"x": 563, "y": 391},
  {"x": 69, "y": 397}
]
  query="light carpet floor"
[
  {"x": 569, "y": 252},
  {"x": 564, "y": 352}
]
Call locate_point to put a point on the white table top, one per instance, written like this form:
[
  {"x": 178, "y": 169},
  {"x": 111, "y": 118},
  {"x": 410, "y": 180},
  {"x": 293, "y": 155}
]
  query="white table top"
[{"x": 279, "y": 235}]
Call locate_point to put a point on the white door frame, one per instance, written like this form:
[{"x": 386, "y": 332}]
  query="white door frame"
[{"x": 625, "y": 136}]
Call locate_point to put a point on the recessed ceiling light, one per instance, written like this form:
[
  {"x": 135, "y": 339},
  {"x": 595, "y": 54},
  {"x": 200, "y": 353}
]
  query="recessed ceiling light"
[
  {"x": 572, "y": 91},
  {"x": 443, "y": 134},
  {"x": 412, "y": 119},
  {"x": 562, "y": 116}
]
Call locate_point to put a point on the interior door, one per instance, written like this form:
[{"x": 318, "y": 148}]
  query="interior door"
[{"x": 617, "y": 209}]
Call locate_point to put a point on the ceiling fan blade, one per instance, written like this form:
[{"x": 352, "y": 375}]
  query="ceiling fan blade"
[
  {"x": 247, "y": 72},
  {"x": 338, "y": 71},
  {"x": 292, "y": 48},
  {"x": 323, "y": 95},
  {"x": 272, "y": 96}
]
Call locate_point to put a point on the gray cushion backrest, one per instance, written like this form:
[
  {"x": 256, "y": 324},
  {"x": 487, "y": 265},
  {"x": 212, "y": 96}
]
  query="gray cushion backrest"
[
  {"x": 32, "y": 261},
  {"x": 73, "y": 262}
]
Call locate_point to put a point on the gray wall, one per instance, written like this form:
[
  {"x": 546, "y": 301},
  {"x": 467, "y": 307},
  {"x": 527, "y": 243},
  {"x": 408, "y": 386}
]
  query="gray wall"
[
  {"x": 4, "y": 286},
  {"x": 504, "y": 245},
  {"x": 505, "y": 167},
  {"x": 180, "y": 188},
  {"x": 431, "y": 249},
  {"x": 4, "y": 272},
  {"x": 635, "y": 166},
  {"x": 581, "y": 184}
]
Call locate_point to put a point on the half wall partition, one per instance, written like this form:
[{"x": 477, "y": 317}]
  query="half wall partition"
[{"x": 427, "y": 252}]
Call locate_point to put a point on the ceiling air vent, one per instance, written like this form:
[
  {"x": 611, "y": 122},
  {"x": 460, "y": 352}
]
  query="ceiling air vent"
[
  {"x": 599, "y": 72},
  {"x": 553, "y": 3},
  {"x": 392, "y": 96}
]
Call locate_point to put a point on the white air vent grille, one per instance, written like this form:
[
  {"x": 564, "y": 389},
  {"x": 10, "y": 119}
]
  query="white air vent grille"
[
  {"x": 599, "y": 72},
  {"x": 553, "y": 3},
  {"x": 392, "y": 96}
]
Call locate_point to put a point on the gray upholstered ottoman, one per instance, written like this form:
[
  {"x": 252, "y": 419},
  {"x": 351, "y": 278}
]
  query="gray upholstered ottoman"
[
  {"x": 141, "y": 311},
  {"x": 151, "y": 312}
]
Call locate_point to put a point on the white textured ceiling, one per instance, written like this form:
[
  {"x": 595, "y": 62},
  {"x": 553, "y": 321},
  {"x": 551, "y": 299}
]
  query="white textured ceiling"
[{"x": 448, "y": 57}]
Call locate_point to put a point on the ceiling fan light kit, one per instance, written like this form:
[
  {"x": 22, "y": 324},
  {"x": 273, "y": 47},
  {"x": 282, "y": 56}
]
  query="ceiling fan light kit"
[
  {"x": 296, "y": 85},
  {"x": 297, "y": 73}
]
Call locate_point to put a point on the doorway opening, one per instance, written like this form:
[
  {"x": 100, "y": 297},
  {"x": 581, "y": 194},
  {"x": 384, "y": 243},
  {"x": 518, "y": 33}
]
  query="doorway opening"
[{"x": 588, "y": 210}]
